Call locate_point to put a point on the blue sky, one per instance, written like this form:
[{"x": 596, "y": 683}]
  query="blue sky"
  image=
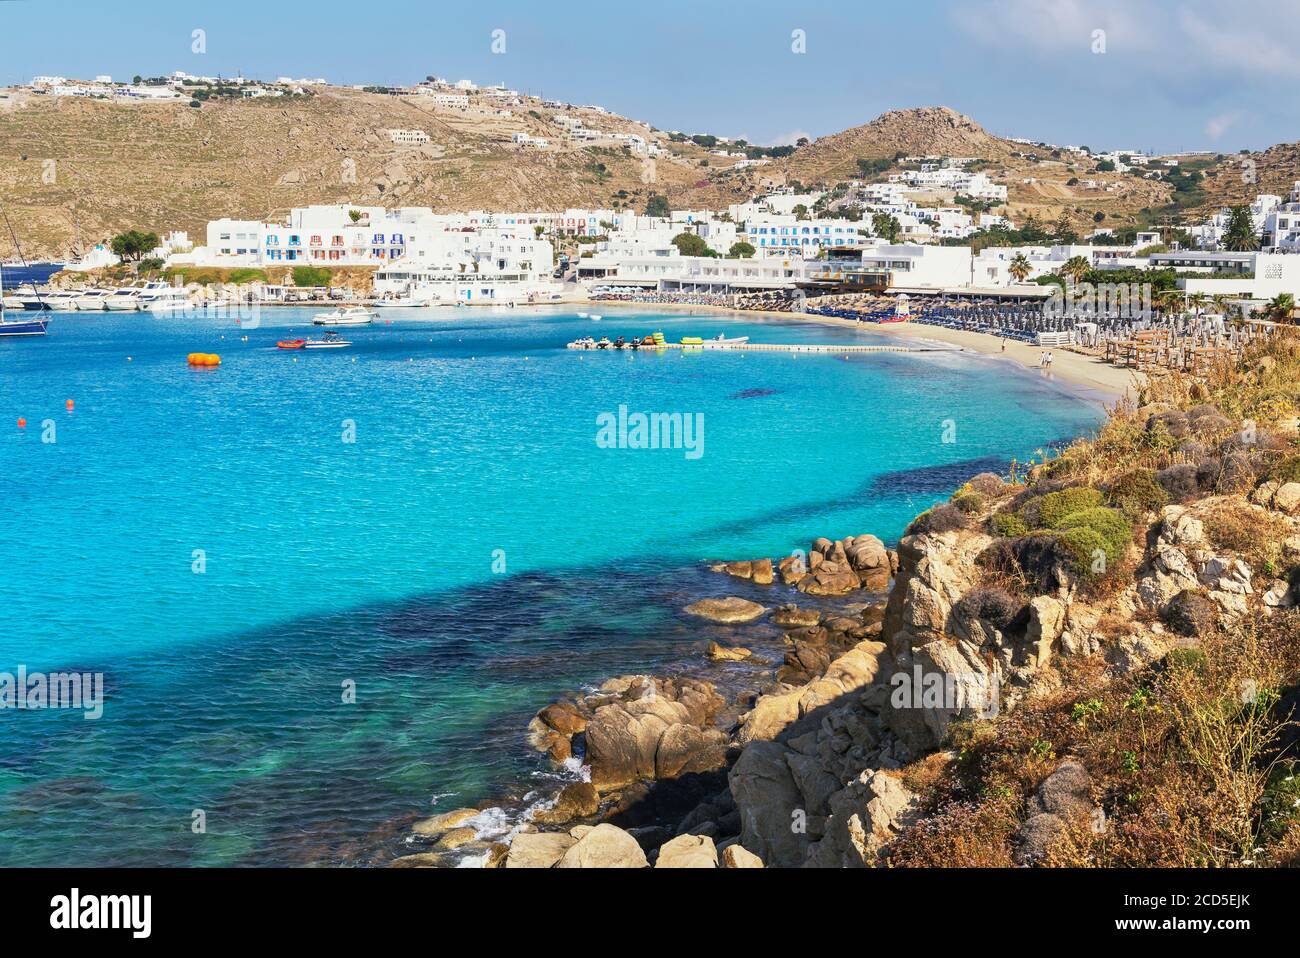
[{"x": 1162, "y": 76}]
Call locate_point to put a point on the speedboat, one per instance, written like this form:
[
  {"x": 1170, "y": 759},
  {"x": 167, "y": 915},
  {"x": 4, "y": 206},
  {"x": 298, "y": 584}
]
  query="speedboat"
[
  {"x": 603, "y": 344},
  {"x": 291, "y": 344},
  {"x": 92, "y": 300},
  {"x": 331, "y": 340},
  {"x": 350, "y": 316},
  {"x": 721, "y": 341},
  {"x": 124, "y": 300}
]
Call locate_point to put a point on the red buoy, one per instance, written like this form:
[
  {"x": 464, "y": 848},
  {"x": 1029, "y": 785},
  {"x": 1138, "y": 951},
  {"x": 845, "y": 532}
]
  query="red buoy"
[
  {"x": 69, "y": 404},
  {"x": 22, "y": 423}
]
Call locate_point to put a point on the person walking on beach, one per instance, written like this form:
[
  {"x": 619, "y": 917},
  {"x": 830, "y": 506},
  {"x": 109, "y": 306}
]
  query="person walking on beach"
[{"x": 1049, "y": 359}]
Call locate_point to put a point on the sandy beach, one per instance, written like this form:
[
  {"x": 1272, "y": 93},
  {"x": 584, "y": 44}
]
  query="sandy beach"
[{"x": 1090, "y": 377}]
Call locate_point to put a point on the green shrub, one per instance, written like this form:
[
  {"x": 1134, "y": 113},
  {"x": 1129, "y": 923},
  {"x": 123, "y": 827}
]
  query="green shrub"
[
  {"x": 311, "y": 276},
  {"x": 969, "y": 502},
  {"x": 1136, "y": 493},
  {"x": 1055, "y": 506},
  {"x": 1009, "y": 524},
  {"x": 1285, "y": 470},
  {"x": 1081, "y": 546},
  {"x": 1112, "y": 530},
  {"x": 247, "y": 274}
]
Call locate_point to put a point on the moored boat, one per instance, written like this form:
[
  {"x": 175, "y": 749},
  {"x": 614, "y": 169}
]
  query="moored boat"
[{"x": 349, "y": 316}]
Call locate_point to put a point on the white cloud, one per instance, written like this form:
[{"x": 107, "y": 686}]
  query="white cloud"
[
  {"x": 788, "y": 139},
  {"x": 1170, "y": 40},
  {"x": 1216, "y": 126}
]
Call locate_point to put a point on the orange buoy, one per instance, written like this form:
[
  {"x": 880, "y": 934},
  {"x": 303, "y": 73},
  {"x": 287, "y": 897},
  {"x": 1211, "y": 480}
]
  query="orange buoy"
[
  {"x": 69, "y": 405},
  {"x": 203, "y": 359},
  {"x": 22, "y": 423}
]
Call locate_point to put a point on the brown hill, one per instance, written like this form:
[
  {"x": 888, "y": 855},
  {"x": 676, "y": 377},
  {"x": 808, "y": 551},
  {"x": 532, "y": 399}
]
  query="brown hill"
[
  {"x": 74, "y": 172},
  {"x": 925, "y": 131},
  {"x": 1240, "y": 177}
]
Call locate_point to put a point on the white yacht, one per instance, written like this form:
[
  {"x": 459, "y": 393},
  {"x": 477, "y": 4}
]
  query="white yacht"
[
  {"x": 159, "y": 297},
  {"x": 92, "y": 300},
  {"x": 124, "y": 300},
  {"x": 61, "y": 299},
  {"x": 349, "y": 316}
]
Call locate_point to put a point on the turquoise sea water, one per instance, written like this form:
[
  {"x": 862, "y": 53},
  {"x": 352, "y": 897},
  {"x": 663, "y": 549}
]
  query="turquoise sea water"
[{"x": 380, "y": 561}]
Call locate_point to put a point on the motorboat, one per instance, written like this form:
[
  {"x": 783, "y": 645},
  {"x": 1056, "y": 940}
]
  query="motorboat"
[
  {"x": 159, "y": 297},
  {"x": 124, "y": 300},
  {"x": 92, "y": 300},
  {"x": 61, "y": 300},
  {"x": 331, "y": 340},
  {"x": 19, "y": 327},
  {"x": 722, "y": 341},
  {"x": 345, "y": 316}
]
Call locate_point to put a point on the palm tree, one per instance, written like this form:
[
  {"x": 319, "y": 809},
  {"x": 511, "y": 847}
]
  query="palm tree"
[
  {"x": 1198, "y": 302},
  {"x": 1076, "y": 267},
  {"x": 1169, "y": 301},
  {"x": 1281, "y": 307},
  {"x": 1020, "y": 267}
]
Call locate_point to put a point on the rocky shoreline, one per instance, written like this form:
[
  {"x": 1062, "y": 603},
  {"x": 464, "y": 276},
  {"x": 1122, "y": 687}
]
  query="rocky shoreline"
[
  {"x": 995, "y": 602},
  {"x": 656, "y": 752}
]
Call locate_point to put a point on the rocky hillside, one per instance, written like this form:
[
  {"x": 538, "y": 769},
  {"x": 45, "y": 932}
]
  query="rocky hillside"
[
  {"x": 926, "y": 131},
  {"x": 73, "y": 172},
  {"x": 1096, "y": 663},
  {"x": 1239, "y": 178}
]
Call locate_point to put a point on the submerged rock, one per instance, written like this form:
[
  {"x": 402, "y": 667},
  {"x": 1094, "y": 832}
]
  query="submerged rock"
[{"x": 727, "y": 610}]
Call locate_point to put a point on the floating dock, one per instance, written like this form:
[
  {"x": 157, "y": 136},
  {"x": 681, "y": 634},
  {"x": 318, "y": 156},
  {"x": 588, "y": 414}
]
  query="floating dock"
[{"x": 772, "y": 348}]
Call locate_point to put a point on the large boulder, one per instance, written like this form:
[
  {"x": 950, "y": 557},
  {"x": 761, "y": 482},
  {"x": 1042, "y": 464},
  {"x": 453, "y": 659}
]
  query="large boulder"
[
  {"x": 538, "y": 849},
  {"x": 727, "y": 610},
  {"x": 864, "y": 817},
  {"x": 688, "y": 851},
  {"x": 773, "y": 821},
  {"x": 605, "y": 846},
  {"x": 576, "y": 800}
]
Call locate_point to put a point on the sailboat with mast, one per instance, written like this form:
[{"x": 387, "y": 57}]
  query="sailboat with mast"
[{"x": 19, "y": 327}]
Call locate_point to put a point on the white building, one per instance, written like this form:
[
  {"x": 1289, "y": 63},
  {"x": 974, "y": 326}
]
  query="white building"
[
  {"x": 914, "y": 266},
  {"x": 788, "y": 235},
  {"x": 409, "y": 137}
]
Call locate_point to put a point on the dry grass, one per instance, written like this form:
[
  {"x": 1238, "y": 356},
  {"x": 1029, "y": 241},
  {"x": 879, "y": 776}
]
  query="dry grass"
[{"x": 1183, "y": 758}]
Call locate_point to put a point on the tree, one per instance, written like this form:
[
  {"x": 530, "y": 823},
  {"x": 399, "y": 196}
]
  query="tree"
[
  {"x": 1075, "y": 267},
  {"x": 1020, "y": 267},
  {"x": 133, "y": 244},
  {"x": 741, "y": 250},
  {"x": 886, "y": 226},
  {"x": 1063, "y": 231},
  {"x": 1198, "y": 302},
  {"x": 657, "y": 205},
  {"x": 689, "y": 244},
  {"x": 1280, "y": 307},
  {"x": 1240, "y": 236},
  {"x": 800, "y": 211},
  {"x": 538, "y": 231},
  {"x": 354, "y": 215}
]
